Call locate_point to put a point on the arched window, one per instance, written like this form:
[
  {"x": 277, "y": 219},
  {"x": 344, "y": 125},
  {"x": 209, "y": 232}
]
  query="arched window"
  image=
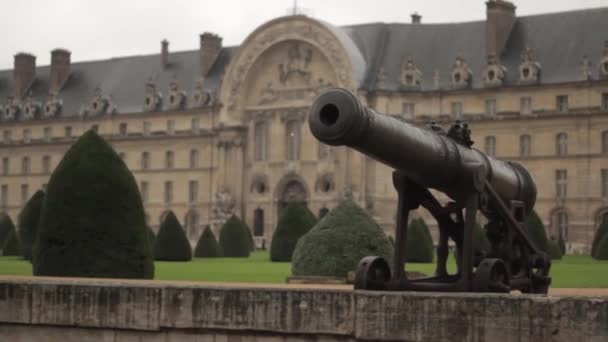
[
  {"x": 561, "y": 144},
  {"x": 490, "y": 146},
  {"x": 260, "y": 144},
  {"x": 258, "y": 222},
  {"x": 605, "y": 142},
  {"x": 293, "y": 139},
  {"x": 525, "y": 142},
  {"x": 560, "y": 225},
  {"x": 169, "y": 159},
  {"x": 194, "y": 159},
  {"x": 191, "y": 223},
  {"x": 145, "y": 160}
]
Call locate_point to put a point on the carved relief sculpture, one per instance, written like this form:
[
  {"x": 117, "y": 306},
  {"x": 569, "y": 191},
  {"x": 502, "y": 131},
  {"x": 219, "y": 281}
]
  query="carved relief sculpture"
[
  {"x": 177, "y": 98},
  {"x": 461, "y": 74},
  {"x": 154, "y": 99},
  {"x": 603, "y": 66},
  {"x": 223, "y": 205},
  {"x": 297, "y": 64},
  {"x": 494, "y": 73},
  {"x": 529, "y": 69},
  {"x": 411, "y": 76}
]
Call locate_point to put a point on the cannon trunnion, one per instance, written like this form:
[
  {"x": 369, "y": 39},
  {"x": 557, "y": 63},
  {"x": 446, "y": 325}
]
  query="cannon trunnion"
[{"x": 432, "y": 158}]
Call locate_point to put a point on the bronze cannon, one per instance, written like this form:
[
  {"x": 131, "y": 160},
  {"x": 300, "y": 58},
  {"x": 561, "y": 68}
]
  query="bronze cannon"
[{"x": 432, "y": 158}]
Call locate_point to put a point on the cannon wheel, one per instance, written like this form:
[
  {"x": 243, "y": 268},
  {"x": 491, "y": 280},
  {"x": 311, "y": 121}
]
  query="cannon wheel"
[
  {"x": 491, "y": 276},
  {"x": 373, "y": 273},
  {"x": 539, "y": 279}
]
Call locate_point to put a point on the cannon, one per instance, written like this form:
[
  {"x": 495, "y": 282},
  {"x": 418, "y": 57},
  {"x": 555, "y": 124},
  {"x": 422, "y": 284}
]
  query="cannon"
[{"x": 431, "y": 158}]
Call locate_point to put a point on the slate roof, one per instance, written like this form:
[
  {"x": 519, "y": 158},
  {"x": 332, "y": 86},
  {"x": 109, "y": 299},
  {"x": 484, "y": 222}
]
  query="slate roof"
[{"x": 558, "y": 40}]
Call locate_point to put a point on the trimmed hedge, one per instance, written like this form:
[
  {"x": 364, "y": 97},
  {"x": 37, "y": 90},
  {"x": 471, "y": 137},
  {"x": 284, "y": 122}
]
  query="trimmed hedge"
[
  {"x": 12, "y": 247},
  {"x": 419, "y": 245},
  {"x": 151, "y": 238},
  {"x": 28, "y": 223},
  {"x": 6, "y": 227},
  {"x": 600, "y": 233},
  {"x": 601, "y": 252},
  {"x": 207, "y": 246},
  {"x": 171, "y": 242},
  {"x": 234, "y": 238},
  {"x": 336, "y": 244},
  {"x": 553, "y": 250},
  {"x": 536, "y": 231},
  {"x": 92, "y": 221},
  {"x": 295, "y": 221}
]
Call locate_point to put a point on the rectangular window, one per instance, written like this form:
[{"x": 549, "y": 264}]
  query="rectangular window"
[
  {"x": 491, "y": 107},
  {"x": 143, "y": 190},
  {"x": 490, "y": 146},
  {"x": 604, "y": 185},
  {"x": 293, "y": 137},
  {"x": 561, "y": 183},
  {"x": 169, "y": 160},
  {"x": 46, "y": 165},
  {"x": 123, "y": 129},
  {"x": 258, "y": 222},
  {"x": 25, "y": 193},
  {"x": 456, "y": 109},
  {"x": 4, "y": 196},
  {"x": 6, "y": 166},
  {"x": 170, "y": 127},
  {"x": 27, "y": 135},
  {"x": 604, "y": 101},
  {"x": 196, "y": 125},
  {"x": 7, "y": 137},
  {"x": 25, "y": 165},
  {"x": 194, "y": 159},
  {"x": 48, "y": 134},
  {"x": 408, "y": 110},
  {"x": 68, "y": 132},
  {"x": 145, "y": 160},
  {"x": 525, "y": 105},
  {"x": 193, "y": 191},
  {"x": 168, "y": 192},
  {"x": 261, "y": 140},
  {"x": 147, "y": 127},
  {"x": 561, "y": 103}
]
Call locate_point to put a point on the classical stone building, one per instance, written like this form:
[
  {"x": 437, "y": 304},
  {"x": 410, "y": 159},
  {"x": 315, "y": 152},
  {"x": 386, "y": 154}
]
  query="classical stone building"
[{"x": 222, "y": 130}]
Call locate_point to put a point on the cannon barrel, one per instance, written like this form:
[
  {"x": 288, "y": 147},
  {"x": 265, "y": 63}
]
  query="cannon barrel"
[{"x": 431, "y": 159}]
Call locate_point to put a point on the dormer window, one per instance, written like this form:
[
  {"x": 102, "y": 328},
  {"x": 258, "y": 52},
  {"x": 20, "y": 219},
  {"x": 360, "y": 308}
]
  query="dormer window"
[
  {"x": 411, "y": 76},
  {"x": 529, "y": 69},
  {"x": 11, "y": 110},
  {"x": 52, "y": 107},
  {"x": 154, "y": 99},
  {"x": 100, "y": 104},
  {"x": 30, "y": 109},
  {"x": 604, "y": 62},
  {"x": 461, "y": 74},
  {"x": 177, "y": 97},
  {"x": 494, "y": 73}
]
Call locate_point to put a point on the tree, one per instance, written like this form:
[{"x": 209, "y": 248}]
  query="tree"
[
  {"x": 336, "y": 244},
  {"x": 536, "y": 231},
  {"x": 207, "y": 246},
  {"x": 419, "y": 244},
  {"x": 6, "y": 226},
  {"x": 601, "y": 252},
  {"x": 295, "y": 221},
  {"x": 171, "y": 242},
  {"x": 553, "y": 250},
  {"x": 28, "y": 223},
  {"x": 234, "y": 238},
  {"x": 12, "y": 246},
  {"x": 92, "y": 222},
  {"x": 151, "y": 238},
  {"x": 598, "y": 236}
]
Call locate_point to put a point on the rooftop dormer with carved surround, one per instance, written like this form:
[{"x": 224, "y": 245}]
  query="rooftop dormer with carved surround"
[
  {"x": 177, "y": 97},
  {"x": 31, "y": 109},
  {"x": 11, "y": 109},
  {"x": 154, "y": 99},
  {"x": 529, "y": 68},
  {"x": 100, "y": 104},
  {"x": 603, "y": 65},
  {"x": 462, "y": 77},
  {"x": 52, "y": 107},
  {"x": 411, "y": 76},
  {"x": 201, "y": 97},
  {"x": 494, "y": 73}
]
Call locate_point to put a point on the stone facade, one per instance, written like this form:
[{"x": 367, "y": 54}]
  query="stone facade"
[{"x": 223, "y": 130}]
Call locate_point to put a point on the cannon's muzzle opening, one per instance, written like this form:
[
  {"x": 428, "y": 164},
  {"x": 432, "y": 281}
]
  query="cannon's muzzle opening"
[
  {"x": 336, "y": 117},
  {"x": 329, "y": 114}
]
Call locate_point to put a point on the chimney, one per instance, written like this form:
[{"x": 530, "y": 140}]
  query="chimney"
[
  {"x": 416, "y": 18},
  {"x": 500, "y": 18},
  {"x": 23, "y": 73},
  {"x": 60, "y": 70},
  {"x": 164, "y": 54},
  {"x": 211, "y": 45}
]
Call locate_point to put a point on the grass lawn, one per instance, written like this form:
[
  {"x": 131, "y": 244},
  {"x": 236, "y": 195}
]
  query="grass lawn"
[{"x": 571, "y": 271}]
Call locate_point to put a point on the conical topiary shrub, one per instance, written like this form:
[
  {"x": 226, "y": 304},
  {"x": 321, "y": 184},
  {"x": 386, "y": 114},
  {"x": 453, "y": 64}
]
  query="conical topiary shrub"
[
  {"x": 207, "y": 246},
  {"x": 601, "y": 251},
  {"x": 28, "y": 223},
  {"x": 12, "y": 246},
  {"x": 553, "y": 250},
  {"x": 171, "y": 242},
  {"x": 295, "y": 221},
  {"x": 151, "y": 238},
  {"x": 336, "y": 244},
  {"x": 6, "y": 227},
  {"x": 92, "y": 221},
  {"x": 250, "y": 236},
  {"x": 600, "y": 233},
  {"x": 419, "y": 244},
  {"x": 536, "y": 231},
  {"x": 234, "y": 239}
]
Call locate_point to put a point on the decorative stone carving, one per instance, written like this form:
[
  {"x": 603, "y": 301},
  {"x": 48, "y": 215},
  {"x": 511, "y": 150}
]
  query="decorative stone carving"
[
  {"x": 99, "y": 104},
  {"x": 223, "y": 205},
  {"x": 411, "y": 76},
  {"x": 202, "y": 98},
  {"x": 31, "y": 109},
  {"x": 259, "y": 184},
  {"x": 154, "y": 99},
  {"x": 12, "y": 109},
  {"x": 52, "y": 107},
  {"x": 325, "y": 183},
  {"x": 296, "y": 65},
  {"x": 494, "y": 73},
  {"x": 260, "y": 115},
  {"x": 293, "y": 114},
  {"x": 177, "y": 98},
  {"x": 529, "y": 68},
  {"x": 586, "y": 68},
  {"x": 603, "y": 66},
  {"x": 268, "y": 94},
  {"x": 462, "y": 76}
]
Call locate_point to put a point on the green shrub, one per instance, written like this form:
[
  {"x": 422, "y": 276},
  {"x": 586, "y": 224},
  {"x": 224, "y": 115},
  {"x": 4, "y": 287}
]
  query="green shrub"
[
  {"x": 6, "y": 227},
  {"x": 12, "y": 246},
  {"x": 553, "y": 250},
  {"x": 601, "y": 252},
  {"x": 536, "y": 231},
  {"x": 600, "y": 233},
  {"x": 562, "y": 244},
  {"x": 336, "y": 244},
  {"x": 151, "y": 238},
  {"x": 28, "y": 223},
  {"x": 92, "y": 221},
  {"x": 207, "y": 246},
  {"x": 295, "y": 221},
  {"x": 250, "y": 236},
  {"x": 419, "y": 244},
  {"x": 234, "y": 238},
  {"x": 171, "y": 242}
]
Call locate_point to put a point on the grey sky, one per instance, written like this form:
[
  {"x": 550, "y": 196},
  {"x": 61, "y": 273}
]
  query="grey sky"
[{"x": 110, "y": 28}]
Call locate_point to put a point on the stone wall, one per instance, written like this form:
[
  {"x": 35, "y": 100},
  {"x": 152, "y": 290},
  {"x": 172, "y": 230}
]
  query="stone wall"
[{"x": 50, "y": 309}]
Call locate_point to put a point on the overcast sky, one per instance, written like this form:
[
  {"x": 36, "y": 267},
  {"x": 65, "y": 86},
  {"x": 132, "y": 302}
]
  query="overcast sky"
[{"x": 101, "y": 29}]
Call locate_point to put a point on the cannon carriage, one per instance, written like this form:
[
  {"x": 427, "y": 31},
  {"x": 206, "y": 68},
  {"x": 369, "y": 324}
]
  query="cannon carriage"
[{"x": 432, "y": 158}]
